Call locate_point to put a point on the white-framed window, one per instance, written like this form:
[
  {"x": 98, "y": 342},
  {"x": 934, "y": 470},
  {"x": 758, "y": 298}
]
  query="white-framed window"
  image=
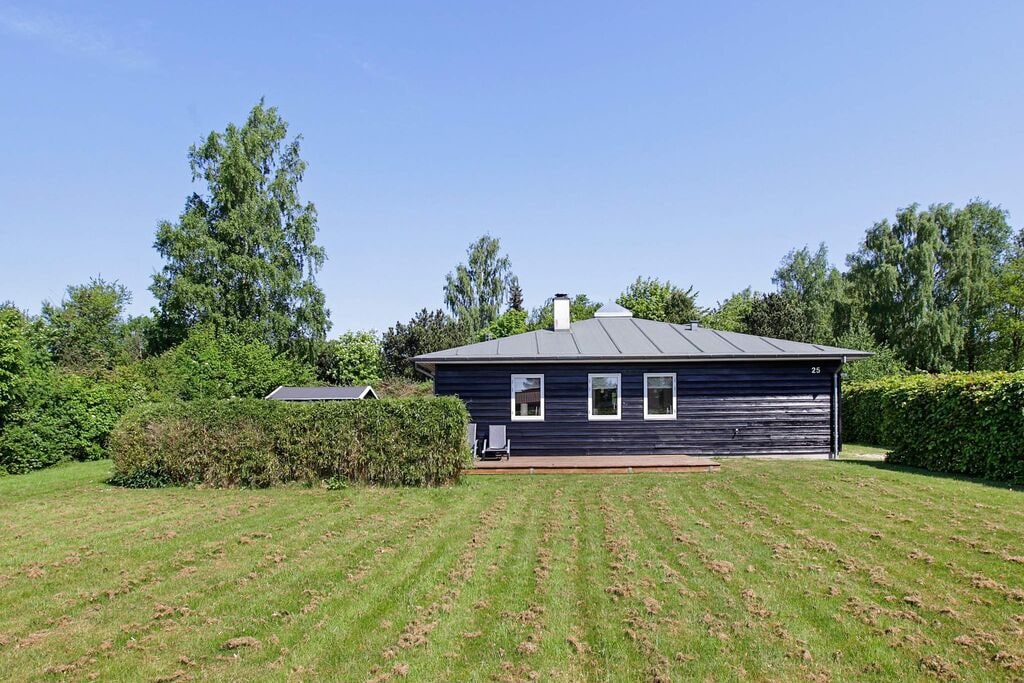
[
  {"x": 527, "y": 397},
  {"x": 659, "y": 396},
  {"x": 604, "y": 396}
]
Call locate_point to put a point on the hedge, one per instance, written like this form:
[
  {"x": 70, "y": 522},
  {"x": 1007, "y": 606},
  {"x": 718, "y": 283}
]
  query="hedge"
[
  {"x": 258, "y": 443},
  {"x": 963, "y": 423}
]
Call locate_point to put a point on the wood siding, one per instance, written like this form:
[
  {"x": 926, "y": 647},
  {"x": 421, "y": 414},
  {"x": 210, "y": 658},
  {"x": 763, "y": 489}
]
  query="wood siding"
[{"x": 721, "y": 408}]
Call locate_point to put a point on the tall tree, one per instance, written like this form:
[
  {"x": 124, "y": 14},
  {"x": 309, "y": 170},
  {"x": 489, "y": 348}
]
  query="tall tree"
[
  {"x": 1008, "y": 316},
  {"x": 925, "y": 282},
  {"x": 515, "y": 294},
  {"x": 87, "y": 331},
  {"x": 817, "y": 286},
  {"x": 977, "y": 239},
  {"x": 652, "y": 299},
  {"x": 245, "y": 250},
  {"x": 475, "y": 291}
]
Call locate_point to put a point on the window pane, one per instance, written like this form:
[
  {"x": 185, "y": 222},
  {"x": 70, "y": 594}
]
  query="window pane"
[
  {"x": 659, "y": 395},
  {"x": 604, "y": 396},
  {"x": 526, "y": 391},
  {"x": 659, "y": 401}
]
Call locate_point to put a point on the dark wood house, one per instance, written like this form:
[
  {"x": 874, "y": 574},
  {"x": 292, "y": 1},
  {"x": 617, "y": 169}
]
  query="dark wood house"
[{"x": 615, "y": 384}]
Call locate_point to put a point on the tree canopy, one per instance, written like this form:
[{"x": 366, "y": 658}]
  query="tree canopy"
[
  {"x": 817, "y": 288},
  {"x": 1008, "y": 309},
  {"x": 475, "y": 291},
  {"x": 354, "y": 358},
  {"x": 925, "y": 281},
  {"x": 87, "y": 331},
  {"x": 652, "y": 299},
  {"x": 245, "y": 249},
  {"x": 426, "y": 332},
  {"x": 776, "y": 315}
]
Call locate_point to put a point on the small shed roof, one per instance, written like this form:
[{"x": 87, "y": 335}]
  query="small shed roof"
[
  {"x": 628, "y": 339},
  {"x": 321, "y": 393}
]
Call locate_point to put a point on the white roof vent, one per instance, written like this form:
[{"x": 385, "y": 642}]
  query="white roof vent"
[{"x": 613, "y": 310}]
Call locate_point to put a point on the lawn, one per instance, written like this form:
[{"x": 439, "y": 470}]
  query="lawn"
[{"x": 766, "y": 569}]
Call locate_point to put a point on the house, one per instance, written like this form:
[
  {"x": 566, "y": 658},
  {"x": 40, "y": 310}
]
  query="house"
[
  {"x": 616, "y": 384},
  {"x": 321, "y": 393}
]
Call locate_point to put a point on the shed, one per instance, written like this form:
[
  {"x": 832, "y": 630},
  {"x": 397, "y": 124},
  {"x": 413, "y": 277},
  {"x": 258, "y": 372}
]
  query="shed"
[
  {"x": 321, "y": 393},
  {"x": 615, "y": 384}
]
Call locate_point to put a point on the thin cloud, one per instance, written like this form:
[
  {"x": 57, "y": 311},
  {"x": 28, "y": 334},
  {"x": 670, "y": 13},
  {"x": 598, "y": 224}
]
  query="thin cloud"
[{"x": 72, "y": 36}]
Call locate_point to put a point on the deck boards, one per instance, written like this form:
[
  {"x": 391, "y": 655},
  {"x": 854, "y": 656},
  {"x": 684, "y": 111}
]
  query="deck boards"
[{"x": 608, "y": 464}]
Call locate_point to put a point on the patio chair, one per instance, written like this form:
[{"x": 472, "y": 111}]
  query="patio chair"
[
  {"x": 496, "y": 445},
  {"x": 471, "y": 438}
]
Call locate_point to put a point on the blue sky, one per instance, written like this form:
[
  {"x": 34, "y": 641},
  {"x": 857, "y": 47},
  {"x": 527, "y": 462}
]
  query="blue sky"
[{"x": 696, "y": 142}]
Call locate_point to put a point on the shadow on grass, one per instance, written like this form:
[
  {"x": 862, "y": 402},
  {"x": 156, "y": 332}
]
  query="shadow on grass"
[{"x": 1016, "y": 487}]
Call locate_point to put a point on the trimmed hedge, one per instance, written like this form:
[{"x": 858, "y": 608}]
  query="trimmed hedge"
[
  {"x": 258, "y": 443},
  {"x": 960, "y": 423}
]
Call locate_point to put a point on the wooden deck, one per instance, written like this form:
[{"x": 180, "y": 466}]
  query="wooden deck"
[{"x": 595, "y": 464}]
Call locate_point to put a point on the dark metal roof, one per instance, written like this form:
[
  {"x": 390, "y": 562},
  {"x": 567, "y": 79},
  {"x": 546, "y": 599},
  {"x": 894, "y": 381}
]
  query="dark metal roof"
[
  {"x": 321, "y": 393},
  {"x": 633, "y": 339}
]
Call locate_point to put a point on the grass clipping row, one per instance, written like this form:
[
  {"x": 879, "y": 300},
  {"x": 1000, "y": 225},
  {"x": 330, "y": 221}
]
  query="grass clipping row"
[{"x": 256, "y": 443}]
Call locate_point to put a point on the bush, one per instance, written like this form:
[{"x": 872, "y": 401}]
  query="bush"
[
  {"x": 352, "y": 359},
  {"x": 211, "y": 365},
  {"x": 884, "y": 363},
  {"x": 257, "y": 443},
  {"x": 63, "y": 417},
  {"x": 970, "y": 423}
]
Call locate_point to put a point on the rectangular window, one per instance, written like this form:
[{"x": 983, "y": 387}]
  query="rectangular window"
[
  {"x": 527, "y": 397},
  {"x": 605, "y": 401},
  {"x": 659, "y": 396}
]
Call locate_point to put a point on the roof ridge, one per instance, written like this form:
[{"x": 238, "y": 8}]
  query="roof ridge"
[{"x": 646, "y": 336}]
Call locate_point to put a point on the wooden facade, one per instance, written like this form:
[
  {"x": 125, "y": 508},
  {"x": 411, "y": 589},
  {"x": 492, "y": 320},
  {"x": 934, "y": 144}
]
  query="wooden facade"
[{"x": 722, "y": 408}]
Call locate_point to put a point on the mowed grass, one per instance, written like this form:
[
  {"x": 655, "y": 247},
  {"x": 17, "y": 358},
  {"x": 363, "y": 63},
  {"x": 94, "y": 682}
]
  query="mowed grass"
[{"x": 766, "y": 570}]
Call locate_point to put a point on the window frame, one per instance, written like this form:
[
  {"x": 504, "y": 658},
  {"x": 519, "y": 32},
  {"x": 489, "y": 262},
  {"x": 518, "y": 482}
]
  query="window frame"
[
  {"x": 669, "y": 416},
  {"x": 515, "y": 417},
  {"x": 590, "y": 396}
]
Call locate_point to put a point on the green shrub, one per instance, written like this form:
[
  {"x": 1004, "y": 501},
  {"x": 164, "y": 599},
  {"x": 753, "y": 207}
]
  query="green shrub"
[
  {"x": 970, "y": 423},
  {"x": 211, "y": 364},
  {"x": 354, "y": 358},
  {"x": 63, "y": 417},
  {"x": 257, "y": 443}
]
